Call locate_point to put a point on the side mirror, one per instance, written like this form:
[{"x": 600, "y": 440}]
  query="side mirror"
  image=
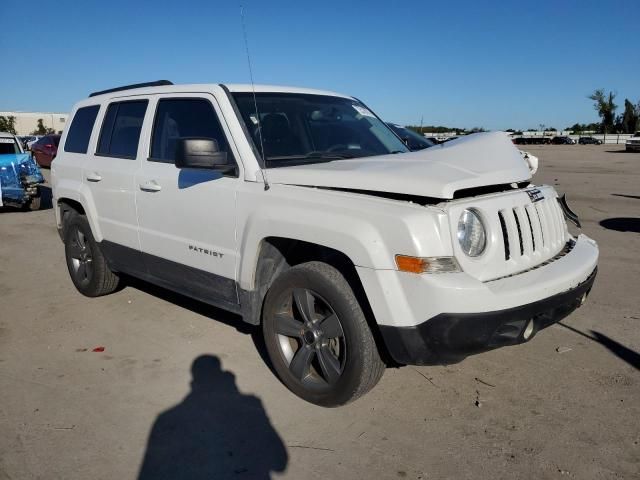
[{"x": 192, "y": 152}]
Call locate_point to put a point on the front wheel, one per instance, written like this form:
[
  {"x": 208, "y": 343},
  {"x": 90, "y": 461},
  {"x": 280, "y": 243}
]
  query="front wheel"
[{"x": 317, "y": 336}]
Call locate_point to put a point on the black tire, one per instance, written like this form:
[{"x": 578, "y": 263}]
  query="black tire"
[
  {"x": 87, "y": 266},
  {"x": 332, "y": 358}
]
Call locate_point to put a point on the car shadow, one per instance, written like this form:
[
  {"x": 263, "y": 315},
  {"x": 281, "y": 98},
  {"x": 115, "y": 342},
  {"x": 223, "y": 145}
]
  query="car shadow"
[
  {"x": 624, "y": 353},
  {"x": 635, "y": 197},
  {"x": 214, "y": 432},
  {"x": 204, "y": 309},
  {"x": 622, "y": 224},
  {"x": 617, "y": 151}
]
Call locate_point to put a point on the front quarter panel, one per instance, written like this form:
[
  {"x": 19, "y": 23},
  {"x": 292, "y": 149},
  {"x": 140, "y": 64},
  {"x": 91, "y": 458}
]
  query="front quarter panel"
[{"x": 368, "y": 230}]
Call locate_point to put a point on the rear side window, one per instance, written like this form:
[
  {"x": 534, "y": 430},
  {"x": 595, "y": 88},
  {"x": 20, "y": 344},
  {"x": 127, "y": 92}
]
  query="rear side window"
[
  {"x": 80, "y": 129},
  {"x": 178, "y": 118},
  {"x": 121, "y": 127}
]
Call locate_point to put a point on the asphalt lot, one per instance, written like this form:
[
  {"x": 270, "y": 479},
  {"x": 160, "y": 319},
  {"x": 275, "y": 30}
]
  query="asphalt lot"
[{"x": 566, "y": 405}]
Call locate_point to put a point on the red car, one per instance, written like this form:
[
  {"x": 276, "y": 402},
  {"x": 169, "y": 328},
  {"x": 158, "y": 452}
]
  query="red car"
[{"x": 45, "y": 150}]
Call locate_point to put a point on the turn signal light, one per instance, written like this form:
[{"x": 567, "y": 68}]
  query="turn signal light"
[{"x": 409, "y": 264}]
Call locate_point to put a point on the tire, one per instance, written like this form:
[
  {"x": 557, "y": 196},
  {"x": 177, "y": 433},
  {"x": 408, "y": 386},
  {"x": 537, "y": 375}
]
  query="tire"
[
  {"x": 330, "y": 359},
  {"x": 35, "y": 203},
  {"x": 87, "y": 266}
]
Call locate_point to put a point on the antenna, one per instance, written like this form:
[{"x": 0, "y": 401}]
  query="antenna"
[{"x": 255, "y": 101}]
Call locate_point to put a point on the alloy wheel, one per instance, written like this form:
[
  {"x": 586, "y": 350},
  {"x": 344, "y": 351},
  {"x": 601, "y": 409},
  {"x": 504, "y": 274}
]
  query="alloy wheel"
[
  {"x": 311, "y": 339},
  {"x": 81, "y": 257}
]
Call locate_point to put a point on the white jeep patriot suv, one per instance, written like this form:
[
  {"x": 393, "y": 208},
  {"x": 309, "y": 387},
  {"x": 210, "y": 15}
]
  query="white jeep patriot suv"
[{"x": 301, "y": 211}]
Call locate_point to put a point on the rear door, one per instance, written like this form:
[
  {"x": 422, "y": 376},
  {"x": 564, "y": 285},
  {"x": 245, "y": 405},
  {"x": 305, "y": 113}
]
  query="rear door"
[
  {"x": 187, "y": 216},
  {"x": 109, "y": 173}
]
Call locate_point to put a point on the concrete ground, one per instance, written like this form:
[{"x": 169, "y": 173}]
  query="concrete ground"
[{"x": 566, "y": 405}]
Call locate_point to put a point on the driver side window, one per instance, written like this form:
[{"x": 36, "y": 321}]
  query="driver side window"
[{"x": 178, "y": 118}]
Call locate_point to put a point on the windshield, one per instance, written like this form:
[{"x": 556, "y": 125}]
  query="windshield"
[
  {"x": 302, "y": 128},
  {"x": 9, "y": 145}
]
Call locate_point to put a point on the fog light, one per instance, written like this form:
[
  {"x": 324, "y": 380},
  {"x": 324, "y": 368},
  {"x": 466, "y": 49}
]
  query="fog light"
[{"x": 528, "y": 330}]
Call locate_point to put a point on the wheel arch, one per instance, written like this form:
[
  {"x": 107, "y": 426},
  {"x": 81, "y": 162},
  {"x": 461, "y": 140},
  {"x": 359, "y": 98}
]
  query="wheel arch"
[
  {"x": 75, "y": 197},
  {"x": 277, "y": 254}
]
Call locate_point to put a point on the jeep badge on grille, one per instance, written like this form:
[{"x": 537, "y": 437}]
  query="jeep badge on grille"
[{"x": 535, "y": 195}]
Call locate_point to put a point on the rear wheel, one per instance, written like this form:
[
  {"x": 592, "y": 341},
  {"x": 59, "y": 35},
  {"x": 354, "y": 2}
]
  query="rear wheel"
[
  {"x": 86, "y": 264},
  {"x": 317, "y": 336}
]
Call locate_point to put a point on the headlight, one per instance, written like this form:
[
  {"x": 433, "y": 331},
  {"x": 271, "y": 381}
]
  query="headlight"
[{"x": 471, "y": 233}]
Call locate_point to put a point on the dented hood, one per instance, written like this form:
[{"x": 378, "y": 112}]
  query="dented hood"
[{"x": 476, "y": 160}]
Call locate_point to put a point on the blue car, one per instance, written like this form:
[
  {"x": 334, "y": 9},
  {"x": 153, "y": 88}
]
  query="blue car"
[{"x": 20, "y": 177}]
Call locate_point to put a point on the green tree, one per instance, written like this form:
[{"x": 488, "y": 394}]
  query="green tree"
[
  {"x": 41, "y": 129},
  {"x": 8, "y": 124},
  {"x": 605, "y": 107},
  {"x": 630, "y": 117}
]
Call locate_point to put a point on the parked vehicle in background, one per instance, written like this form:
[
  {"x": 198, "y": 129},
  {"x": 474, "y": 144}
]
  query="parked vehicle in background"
[
  {"x": 633, "y": 144},
  {"x": 589, "y": 141},
  {"x": 301, "y": 211},
  {"x": 562, "y": 140},
  {"x": 45, "y": 150},
  {"x": 24, "y": 141},
  {"x": 20, "y": 177},
  {"x": 434, "y": 140},
  {"x": 412, "y": 139},
  {"x": 33, "y": 139},
  {"x": 533, "y": 140}
]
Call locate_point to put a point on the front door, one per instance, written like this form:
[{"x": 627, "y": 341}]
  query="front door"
[{"x": 187, "y": 216}]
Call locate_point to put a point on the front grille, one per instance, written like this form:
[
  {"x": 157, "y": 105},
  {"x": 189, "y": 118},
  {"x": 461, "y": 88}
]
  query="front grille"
[
  {"x": 567, "y": 249},
  {"x": 533, "y": 229},
  {"x": 524, "y": 229}
]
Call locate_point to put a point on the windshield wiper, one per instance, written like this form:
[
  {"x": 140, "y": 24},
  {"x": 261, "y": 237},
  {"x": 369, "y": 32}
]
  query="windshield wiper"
[{"x": 329, "y": 156}]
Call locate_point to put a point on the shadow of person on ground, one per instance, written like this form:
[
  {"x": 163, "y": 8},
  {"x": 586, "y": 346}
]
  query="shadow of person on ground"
[
  {"x": 622, "y": 224},
  {"x": 216, "y": 432}
]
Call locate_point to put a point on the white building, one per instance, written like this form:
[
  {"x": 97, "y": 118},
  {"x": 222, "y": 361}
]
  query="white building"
[{"x": 27, "y": 122}]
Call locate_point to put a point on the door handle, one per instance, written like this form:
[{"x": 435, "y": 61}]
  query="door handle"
[
  {"x": 93, "y": 177},
  {"x": 150, "y": 186}
]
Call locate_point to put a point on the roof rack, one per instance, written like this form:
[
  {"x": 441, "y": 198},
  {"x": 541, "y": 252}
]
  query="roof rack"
[{"x": 158, "y": 83}]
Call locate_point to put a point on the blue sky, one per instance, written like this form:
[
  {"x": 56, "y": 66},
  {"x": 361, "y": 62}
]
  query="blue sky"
[{"x": 463, "y": 63}]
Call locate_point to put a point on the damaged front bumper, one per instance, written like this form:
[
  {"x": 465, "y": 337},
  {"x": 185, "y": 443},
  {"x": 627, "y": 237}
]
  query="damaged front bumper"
[
  {"x": 450, "y": 337},
  {"x": 20, "y": 179}
]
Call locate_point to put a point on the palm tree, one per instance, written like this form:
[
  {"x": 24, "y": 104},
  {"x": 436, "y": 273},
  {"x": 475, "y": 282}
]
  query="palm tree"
[{"x": 605, "y": 107}]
